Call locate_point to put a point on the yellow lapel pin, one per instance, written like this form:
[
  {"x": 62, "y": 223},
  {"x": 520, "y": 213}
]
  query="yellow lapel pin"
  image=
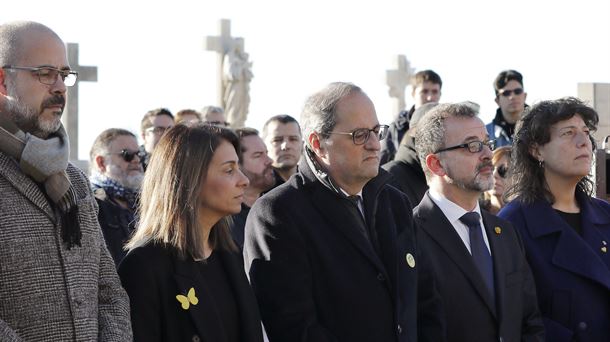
[
  {"x": 498, "y": 230},
  {"x": 189, "y": 299}
]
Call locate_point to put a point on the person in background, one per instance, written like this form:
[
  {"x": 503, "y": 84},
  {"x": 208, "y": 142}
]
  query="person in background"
[
  {"x": 282, "y": 135},
  {"x": 183, "y": 273},
  {"x": 256, "y": 165},
  {"x": 406, "y": 167},
  {"x": 188, "y": 116},
  {"x": 57, "y": 280},
  {"x": 154, "y": 123},
  {"x": 510, "y": 97},
  {"x": 116, "y": 176},
  {"x": 214, "y": 115},
  {"x": 565, "y": 230},
  {"x": 426, "y": 88},
  {"x": 493, "y": 200}
]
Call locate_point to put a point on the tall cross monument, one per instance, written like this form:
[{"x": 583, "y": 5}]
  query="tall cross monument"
[
  {"x": 398, "y": 79},
  {"x": 70, "y": 116}
]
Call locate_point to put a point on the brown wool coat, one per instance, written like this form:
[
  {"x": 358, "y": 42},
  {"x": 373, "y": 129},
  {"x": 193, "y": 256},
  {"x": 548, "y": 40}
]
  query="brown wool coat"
[{"x": 47, "y": 292}]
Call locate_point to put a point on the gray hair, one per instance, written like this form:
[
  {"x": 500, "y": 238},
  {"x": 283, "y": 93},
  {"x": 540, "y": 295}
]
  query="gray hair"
[
  {"x": 430, "y": 133},
  {"x": 101, "y": 145},
  {"x": 11, "y": 39},
  {"x": 320, "y": 111},
  {"x": 207, "y": 110}
]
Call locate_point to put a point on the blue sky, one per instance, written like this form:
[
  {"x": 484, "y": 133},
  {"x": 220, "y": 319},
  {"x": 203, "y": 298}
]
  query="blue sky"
[{"x": 151, "y": 54}]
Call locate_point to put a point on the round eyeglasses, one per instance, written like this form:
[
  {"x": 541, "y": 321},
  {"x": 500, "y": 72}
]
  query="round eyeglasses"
[
  {"x": 361, "y": 135},
  {"x": 48, "y": 75}
]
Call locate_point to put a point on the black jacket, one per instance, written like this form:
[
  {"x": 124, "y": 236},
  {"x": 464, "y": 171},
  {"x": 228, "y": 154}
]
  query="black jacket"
[
  {"x": 407, "y": 172},
  {"x": 318, "y": 278},
  {"x": 467, "y": 304},
  {"x": 153, "y": 276},
  {"x": 117, "y": 224}
]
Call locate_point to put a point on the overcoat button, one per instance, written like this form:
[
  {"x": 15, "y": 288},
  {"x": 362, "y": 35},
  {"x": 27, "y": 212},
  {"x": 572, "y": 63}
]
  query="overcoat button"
[
  {"x": 380, "y": 277},
  {"x": 399, "y": 329},
  {"x": 582, "y": 326},
  {"x": 196, "y": 338}
]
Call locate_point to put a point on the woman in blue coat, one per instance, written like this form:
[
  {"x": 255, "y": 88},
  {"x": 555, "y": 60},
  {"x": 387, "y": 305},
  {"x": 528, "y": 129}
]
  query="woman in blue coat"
[
  {"x": 184, "y": 275},
  {"x": 565, "y": 230}
]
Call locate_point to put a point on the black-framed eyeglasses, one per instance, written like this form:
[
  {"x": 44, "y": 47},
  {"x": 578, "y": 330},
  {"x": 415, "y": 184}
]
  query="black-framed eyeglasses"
[
  {"x": 128, "y": 155},
  {"x": 507, "y": 92},
  {"x": 48, "y": 75},
  {"x": 502, "y": 171},
  {"x": 361, "y": 135},
  {"x": 473, "y": 146}
]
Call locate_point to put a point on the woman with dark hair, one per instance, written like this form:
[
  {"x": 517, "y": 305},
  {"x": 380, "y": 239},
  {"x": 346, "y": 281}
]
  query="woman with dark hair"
[
  {"x": 183, "y": 273},
  {"x": 564, "y": 229}
]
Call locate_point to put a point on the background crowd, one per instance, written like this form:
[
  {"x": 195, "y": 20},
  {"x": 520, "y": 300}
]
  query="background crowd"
[{"x": 332, "y": 227}]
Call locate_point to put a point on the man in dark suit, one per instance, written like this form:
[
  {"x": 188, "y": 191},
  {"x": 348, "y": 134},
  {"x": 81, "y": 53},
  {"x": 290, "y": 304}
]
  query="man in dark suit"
[
  {"x": 331, "y": 253},
  {"x": 478, "y": 261}
]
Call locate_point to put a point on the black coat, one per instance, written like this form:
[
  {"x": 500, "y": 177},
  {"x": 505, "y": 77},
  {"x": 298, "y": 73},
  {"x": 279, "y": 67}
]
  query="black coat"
[
  {"x": 153, "y": 275},
  {"x": 407, "y": 172},
  {"x": 466, "y": 301},
  {"x": 117, "y": 224},
  {"x": 318, "y": 278}
]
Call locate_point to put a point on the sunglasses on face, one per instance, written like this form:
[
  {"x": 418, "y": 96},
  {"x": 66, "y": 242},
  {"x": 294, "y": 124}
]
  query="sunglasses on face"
[
  {"x": 502, "y": 171},
  {"x": 128, "y": 155},
  {"x": 507, "y": 93}
]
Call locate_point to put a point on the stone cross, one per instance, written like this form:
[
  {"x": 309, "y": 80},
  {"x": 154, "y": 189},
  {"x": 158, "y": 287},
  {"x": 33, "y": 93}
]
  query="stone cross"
[
  {"x": 597, "y": 95},
  {"x": 70, "y": 116},
  {"x": 222, "y": 44},
  {"x": 398, "y": 79}
]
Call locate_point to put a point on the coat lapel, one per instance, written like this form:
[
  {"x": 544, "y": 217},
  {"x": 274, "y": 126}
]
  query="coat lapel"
[
  {"x": 436, "y": 225},
  {"x": 244, "y": 297},
  {"x": 333, "y": 211},
  {"x": 10, "y": 170},
  {"x": 571, "y": 252},
  {"x": 204, "y": 316}
]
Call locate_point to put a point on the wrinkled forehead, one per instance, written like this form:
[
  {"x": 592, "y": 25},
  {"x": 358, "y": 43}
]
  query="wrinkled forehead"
[
  {"x": 356, "y": 111},
  {"x": 462, "y": 129},
  {"x": 122, "y": 142}
]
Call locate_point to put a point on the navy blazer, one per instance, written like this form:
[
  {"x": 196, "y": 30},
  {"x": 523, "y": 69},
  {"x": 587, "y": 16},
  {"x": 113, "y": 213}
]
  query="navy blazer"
[
  {"x": 572, "y": 272},
  {"x": 471, "y": 315},
  {"x": 153, "y": 275}
]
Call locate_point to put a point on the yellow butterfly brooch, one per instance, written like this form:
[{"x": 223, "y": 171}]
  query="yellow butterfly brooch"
[{"x": 189, "y": 299}]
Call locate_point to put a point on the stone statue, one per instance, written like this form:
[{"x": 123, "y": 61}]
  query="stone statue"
[{"x": 237, "y": 74}]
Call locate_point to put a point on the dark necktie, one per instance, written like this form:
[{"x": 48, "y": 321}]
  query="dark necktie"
[{"x": 480, "y": 253}]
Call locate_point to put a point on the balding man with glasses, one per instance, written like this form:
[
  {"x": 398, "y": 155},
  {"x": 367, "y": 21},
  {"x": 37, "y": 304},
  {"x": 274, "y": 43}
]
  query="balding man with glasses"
[
  {"x": 331, "y": 253},
  {"x": 116, "y": 176},
  {"x": 57, "y": 280},
  {"x": 479, "y": 264}
]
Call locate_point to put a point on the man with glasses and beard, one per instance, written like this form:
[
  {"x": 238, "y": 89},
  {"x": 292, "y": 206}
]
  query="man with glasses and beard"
[
  {"x": 116, "y": 176},
  {"x": 510, "y": 98},
  {"x": 57, "y": 281},
  {"x": 479, "y": 264},
  {"x": 331, "y": 253},
  {"x": 257, "y": 166}
]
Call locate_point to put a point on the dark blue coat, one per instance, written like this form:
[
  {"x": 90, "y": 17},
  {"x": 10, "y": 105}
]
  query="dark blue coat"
[{"x": 572, "y": 272}]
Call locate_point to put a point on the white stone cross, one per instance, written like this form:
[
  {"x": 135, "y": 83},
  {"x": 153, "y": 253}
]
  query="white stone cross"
[
  {"x": 222, "y": 44},
  {"x": 398, "y": 79},
  {"x": 70, "y": 116}
]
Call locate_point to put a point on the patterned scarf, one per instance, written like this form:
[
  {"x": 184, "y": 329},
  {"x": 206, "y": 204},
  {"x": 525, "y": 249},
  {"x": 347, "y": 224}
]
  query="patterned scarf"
[{"x": 114, "y": 189}]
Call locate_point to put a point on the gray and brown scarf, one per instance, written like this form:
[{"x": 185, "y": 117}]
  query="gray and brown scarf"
[{"x": 46, "y": 161}]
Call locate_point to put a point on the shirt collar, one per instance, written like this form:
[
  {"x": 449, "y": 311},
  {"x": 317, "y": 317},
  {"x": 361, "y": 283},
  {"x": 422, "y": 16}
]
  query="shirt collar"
[{"x": 452, "y": 211}]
